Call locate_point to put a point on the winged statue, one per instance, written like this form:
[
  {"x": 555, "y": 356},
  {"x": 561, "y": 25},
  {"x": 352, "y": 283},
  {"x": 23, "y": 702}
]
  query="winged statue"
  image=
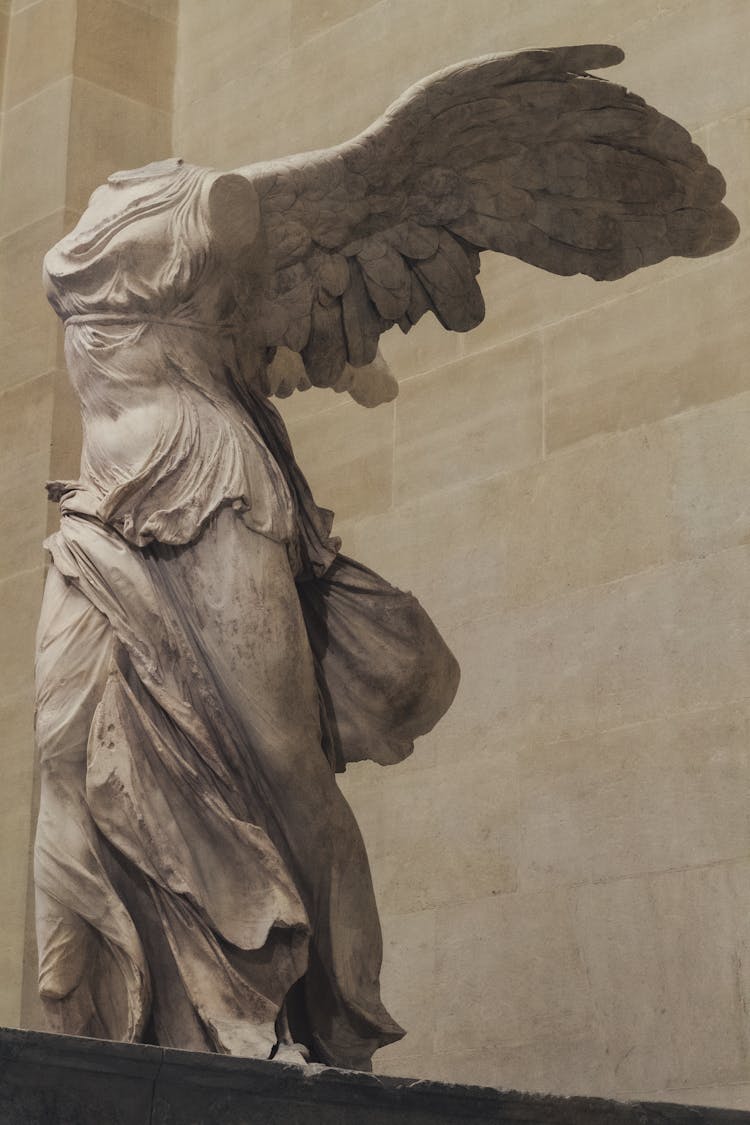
[{"x": 207, "y": 658}]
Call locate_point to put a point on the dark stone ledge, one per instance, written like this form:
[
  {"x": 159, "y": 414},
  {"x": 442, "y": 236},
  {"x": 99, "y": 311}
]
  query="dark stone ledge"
[{"x": 60, "y": 1080}]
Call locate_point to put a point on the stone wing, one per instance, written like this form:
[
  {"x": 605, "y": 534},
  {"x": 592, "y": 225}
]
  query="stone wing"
[{"x": 525, "y": 154}]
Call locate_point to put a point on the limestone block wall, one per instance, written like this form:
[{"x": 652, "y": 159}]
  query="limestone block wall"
[
  {"x": 35, "y": 112},
  {"x": 563, "y": 867},
  {"x": 86, "y": 88}
]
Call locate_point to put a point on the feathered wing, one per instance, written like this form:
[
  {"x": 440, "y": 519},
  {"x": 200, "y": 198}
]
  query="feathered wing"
[{"x": 525, "y": 154}]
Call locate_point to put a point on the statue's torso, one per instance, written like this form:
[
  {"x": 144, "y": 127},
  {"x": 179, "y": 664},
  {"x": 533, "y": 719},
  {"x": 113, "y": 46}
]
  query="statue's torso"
[{"x": 153, "y": 358}]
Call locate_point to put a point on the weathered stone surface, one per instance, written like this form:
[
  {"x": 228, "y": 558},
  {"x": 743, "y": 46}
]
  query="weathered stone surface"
[
  {"x": 580, "y": 518},
  {"x": 15, "y": 849},
  {"x": 109, "y": 129},
  {"x": 315, "y": 18},
  {"x": 669, "y": 640},
  {"x": 209, "y": 60},
  {"x": 658, "y": 948},
  {"x": 442, "y": 438},
  {"x": 25, "y": 418},
  {"x": 465, "y": 813},
  {"x": 645, "y": 798},
  {"x": 29, "y": 330},
  {"x": 4, "y": 25},
  {"x": 734, "y": 1096},
  {"x": 514, "y": 939},
  {"x": 164, "y": 9},
  {"x": 680, "y": 36},
  {"x": 46, "y": 1079},
  {"x": 35, "y": 157},
  {"x": 425, "y": 348},
  {"x": 125, "y": 49},
  {"x": 65, "y": 437},
  {"x": 40, "y": 48},
  {"x": 408, "y": 982},
  {"x": 345, "y": 470},
  {"x": 548, "y": 1063},
  {"x": 728, "y": 141},
  {"x": 20, "y": 598},
  {"x": 645, "y": 357}
]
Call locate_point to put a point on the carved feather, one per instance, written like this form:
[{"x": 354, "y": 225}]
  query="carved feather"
[
  {"x": 362, "y": 323},
  {"x": 524, "y": 154}
]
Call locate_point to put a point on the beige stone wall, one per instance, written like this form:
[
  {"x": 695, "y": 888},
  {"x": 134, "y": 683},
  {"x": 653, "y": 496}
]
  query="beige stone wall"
[
  {"x": 36, "y": 99},
  {"x": 86, "y": 88},
  {"x": 563, "y": 867}
]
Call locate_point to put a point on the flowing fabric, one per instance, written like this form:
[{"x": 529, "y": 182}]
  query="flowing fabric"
[{"x": 206, "y": 662}]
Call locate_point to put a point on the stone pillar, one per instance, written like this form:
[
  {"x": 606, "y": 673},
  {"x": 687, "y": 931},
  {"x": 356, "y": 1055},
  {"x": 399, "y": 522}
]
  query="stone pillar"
[
  {"x": 37, "y": 91},
  {"x": 87, "y": 89}
]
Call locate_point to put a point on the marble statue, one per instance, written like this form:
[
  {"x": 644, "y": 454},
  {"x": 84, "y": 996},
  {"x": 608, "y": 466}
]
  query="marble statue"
[{"x": 207, "y": 658}]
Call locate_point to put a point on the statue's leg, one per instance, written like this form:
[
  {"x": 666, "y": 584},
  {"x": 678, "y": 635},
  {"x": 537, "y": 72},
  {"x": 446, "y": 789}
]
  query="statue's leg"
[
  {"x": 254, "y": 638},
  {"x": 218, "y": 630},
  {"x": 92, "y": 974},
  {"x": 161, "y": 829}
]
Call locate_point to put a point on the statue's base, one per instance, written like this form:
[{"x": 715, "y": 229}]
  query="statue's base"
[{"x": 50, "y": 1079}]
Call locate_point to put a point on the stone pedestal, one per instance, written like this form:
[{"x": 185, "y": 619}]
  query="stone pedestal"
[{"x": 54, "y": 1079}]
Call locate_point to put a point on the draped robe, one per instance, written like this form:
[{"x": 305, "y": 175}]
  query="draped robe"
[{"x": 206, "y": 661}]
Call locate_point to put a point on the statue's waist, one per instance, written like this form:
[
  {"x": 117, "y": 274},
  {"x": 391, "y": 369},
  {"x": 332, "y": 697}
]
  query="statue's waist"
[{"x": 136, "y": 319}]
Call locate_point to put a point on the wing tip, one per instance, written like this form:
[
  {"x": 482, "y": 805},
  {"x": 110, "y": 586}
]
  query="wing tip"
[
  {"x": 725, "y": 230},
  {"x": 589, "y": 56}
]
